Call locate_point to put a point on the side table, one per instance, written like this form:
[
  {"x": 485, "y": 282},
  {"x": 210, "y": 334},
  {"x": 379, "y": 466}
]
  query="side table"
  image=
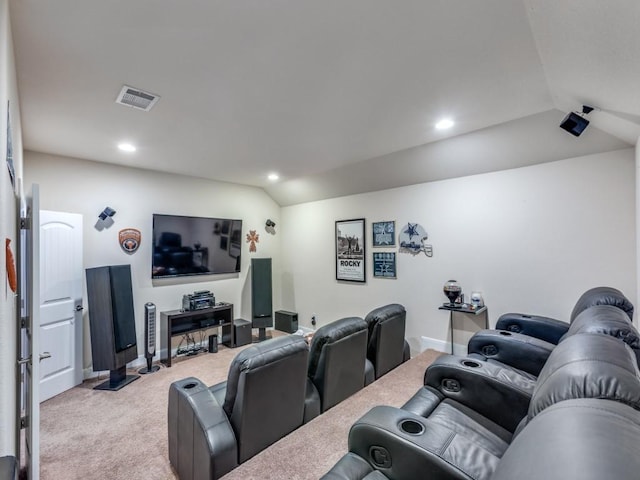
[{"x": 467, "y": 310}]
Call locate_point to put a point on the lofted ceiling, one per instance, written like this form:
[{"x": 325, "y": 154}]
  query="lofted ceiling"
[{"x": 336, "y": 96}]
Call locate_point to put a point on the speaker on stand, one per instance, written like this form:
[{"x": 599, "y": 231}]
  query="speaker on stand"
[
  {"x": 112, "y": 323},
  {"x": 149, "y": 338}
]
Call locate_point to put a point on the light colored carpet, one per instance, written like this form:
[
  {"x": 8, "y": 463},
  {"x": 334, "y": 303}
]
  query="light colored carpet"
[
  {"x": 310, "y": 451},
  {"x": 88, "y": 433}
]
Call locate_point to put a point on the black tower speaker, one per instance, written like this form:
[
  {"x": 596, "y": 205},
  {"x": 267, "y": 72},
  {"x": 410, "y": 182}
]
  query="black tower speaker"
[
  {"x": 261, "y": 296},
  {"x": 112, "y": 323}
]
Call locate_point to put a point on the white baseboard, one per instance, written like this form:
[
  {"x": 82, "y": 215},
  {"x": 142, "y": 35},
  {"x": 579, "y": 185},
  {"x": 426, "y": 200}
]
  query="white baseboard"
[
  {"x": 442, "y": 346},
  {"x": 306, "y": 330}
]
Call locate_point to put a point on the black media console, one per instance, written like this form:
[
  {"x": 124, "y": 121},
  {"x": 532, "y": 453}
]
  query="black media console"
[{"x": 178, "y": 322}]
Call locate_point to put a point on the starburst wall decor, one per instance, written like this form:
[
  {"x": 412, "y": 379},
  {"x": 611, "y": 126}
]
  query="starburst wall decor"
[{"x": 252, "y": 239}]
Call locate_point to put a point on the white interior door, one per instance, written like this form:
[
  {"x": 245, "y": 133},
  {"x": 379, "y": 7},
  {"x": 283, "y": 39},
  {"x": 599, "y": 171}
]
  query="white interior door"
[{"x": 60, "y": 301}]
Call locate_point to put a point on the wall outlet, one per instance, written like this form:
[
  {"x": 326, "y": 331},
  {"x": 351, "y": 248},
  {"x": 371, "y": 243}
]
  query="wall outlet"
[{"x": 314, "y": 318}]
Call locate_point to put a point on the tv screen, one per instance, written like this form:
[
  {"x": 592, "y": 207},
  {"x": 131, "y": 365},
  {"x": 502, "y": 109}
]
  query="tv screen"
[{"x": 195, "y": 246}]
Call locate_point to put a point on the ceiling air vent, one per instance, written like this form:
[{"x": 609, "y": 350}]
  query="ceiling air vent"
[{"x": 136, "y": 98}]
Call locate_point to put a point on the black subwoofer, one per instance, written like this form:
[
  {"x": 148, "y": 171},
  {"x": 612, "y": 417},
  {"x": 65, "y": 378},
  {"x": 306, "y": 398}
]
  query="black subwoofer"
[{"x": 286, "y": 321}]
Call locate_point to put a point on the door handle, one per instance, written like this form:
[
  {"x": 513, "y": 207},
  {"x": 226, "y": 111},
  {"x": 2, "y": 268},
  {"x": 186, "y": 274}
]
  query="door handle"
[
  {"x": 79, "y": 308},
  {"x": 43, "y": 356}
]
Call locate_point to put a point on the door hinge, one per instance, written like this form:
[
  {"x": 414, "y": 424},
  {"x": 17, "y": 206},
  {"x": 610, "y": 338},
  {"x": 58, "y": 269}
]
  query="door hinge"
[
  {"x": 24, "y": 321},
  {"x": 25, "y": 223},
  {"x": 24, "y": 422}
]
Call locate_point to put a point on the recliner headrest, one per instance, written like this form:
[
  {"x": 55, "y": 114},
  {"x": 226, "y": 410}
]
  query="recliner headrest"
[
  {"x": 382, "y": 314},
  {"x": 330, "y": 333},
  {"x": 602, "y": 296},
  {"x": 259, "y": 355},
  {"x": 587, "y": 365},
  {"x": 607, "y": 320}
]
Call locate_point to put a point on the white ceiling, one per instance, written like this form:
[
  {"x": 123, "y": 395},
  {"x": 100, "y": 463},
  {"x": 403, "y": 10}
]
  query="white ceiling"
[{"x": 328, "y": 93}]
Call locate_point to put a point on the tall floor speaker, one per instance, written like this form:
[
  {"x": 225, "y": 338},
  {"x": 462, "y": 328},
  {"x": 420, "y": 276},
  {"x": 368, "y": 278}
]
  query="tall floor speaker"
[
  {"x": 261, "y": 296},
  {"x": 112, "y": 323},
  {"x": 149, "y": 338}
]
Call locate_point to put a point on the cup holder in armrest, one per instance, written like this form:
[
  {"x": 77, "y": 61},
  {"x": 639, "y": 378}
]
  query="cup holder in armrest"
[
  {"x": 470, "y": 363},
  {"x": 506, "y": 334},
  {"x": 190, "y": 385},
  {"x": 411, "y": 427}
]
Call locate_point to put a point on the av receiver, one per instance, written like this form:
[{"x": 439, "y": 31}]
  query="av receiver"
[{"x": 198, "y": 300}]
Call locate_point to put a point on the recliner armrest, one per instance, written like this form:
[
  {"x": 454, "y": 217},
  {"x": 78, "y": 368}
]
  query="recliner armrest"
[
  {"x": 517, "y": 350},
  {"x": 497, "y": 393},
  {"x": 202, "y": 443},
  {"x": 545, "y": 328},
  {"x": 404, "y": 445}
]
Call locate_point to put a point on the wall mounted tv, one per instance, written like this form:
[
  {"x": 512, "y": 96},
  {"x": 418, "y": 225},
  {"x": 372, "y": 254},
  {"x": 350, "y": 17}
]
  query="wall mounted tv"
[{"x": 185, "y": 246}]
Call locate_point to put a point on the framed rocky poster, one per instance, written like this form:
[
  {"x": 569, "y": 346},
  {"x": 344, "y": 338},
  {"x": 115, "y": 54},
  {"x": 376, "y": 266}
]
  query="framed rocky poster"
[{"x": 350, "y": 250}]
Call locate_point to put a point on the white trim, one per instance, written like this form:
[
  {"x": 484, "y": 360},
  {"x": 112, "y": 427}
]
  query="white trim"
[{"x": 442, "y": 346}]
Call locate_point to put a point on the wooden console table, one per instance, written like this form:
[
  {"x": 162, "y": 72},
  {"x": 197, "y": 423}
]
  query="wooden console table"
[{"x": 179, "y": 322}]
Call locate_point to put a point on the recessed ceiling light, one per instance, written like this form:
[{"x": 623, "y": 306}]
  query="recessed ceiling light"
[
  {"x": 126, "y": 147},
  {"x": 444, "y": 124},
  {"x": 273, "y": 177}
]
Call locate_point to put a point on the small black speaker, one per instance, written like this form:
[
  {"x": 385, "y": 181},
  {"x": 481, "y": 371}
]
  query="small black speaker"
[
  {"x": 286, "y": 321},
  {"x": 213, "y": 343},
  {"x": 574, "y": 124}
]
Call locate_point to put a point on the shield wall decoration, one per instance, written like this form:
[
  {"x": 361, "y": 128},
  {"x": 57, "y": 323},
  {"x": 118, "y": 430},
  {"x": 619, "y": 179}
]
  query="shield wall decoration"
[{"x": 129, "y": 239}]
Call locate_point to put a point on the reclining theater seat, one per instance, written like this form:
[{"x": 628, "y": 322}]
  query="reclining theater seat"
[
  {"x": 387, "y": 347},
  {"x": 337, "y": 361},
  {"x": 527, "y": 354},
  {"x": 453, "y": 440},
  {"x": 551, "y": 330},
  {"x": 212, "y": 430}
]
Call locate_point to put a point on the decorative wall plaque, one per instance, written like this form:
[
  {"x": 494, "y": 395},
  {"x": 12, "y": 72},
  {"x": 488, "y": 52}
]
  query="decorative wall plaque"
[{"x": 129, "y": 239}]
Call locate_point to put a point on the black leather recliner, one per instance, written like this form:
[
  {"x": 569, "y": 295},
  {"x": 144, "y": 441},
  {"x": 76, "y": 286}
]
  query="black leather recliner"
[
  {"x": 387, "y": 347},
  {"x": 524, "y": 342},
  {"x": 212, "y": 430},
  {"x": 450, "y": 430},
  {"x": 550, "y": 329},
  {"x": 527, "y": 354},
  {"x": 338, "y": 366}
]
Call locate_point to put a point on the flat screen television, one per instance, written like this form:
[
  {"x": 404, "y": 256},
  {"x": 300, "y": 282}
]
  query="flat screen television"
[{"x": 184, "y": 246}]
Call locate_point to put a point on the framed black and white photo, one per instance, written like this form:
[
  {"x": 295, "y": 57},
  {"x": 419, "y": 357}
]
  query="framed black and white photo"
[
  {"x": 350, "y": 250},
  {"x": 384, "y": 234},
  {"x": 384, "y": 264}
]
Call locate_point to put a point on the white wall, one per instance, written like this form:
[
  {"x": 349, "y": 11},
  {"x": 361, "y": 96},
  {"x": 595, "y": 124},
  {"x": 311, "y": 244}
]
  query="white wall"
[
  {"x": 531, "y": 239},
  {"x": 80, "y": 186},
  {"x": 8, "y": 310}
]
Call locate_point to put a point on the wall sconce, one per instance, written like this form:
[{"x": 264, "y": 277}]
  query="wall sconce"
[
  {"x": 105, "y": 219},
  {"x": 269, "y": 226}
]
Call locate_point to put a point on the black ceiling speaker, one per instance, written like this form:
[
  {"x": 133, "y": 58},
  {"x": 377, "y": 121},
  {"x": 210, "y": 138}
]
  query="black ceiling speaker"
[{"x": 575, "y": 123}]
